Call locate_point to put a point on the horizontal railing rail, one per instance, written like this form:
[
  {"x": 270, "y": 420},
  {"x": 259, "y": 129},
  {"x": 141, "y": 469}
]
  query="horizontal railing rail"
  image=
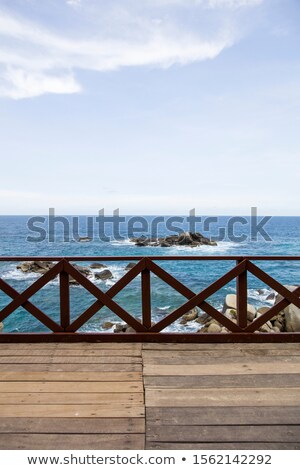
[{"x": 146, "y": 329}]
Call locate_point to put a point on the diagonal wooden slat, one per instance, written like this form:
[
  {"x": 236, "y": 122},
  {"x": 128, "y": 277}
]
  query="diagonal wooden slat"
[
  {"x": 31, "y": 290},
  {"x": 270, "y": 281},
  {"x": 189, "y": 294},
  {"x": 199, "y": 298},
  {"x": 210, "y": 310},
  {"x": 269, "y": 314},
  {"x": 104, "y": 298},
  {"x": 112, "y": 292},
  {"x": 31, "y": 308}
]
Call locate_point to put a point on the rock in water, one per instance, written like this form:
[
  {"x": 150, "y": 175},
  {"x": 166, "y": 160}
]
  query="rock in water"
[
  {"x": 104, "y": 275},
  {"x": 183, "y": 239},
  {"x": 129, "y": 266},
  {"x": 291, "y": 313},
  {"x": 189, "y": 316},
  {"x": 98, "y": 266},
  {"x": 39, "y": 267}
]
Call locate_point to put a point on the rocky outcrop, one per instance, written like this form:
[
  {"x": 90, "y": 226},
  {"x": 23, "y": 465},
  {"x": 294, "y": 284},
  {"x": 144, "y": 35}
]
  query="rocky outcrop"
[
  {"x": 291, "y": 314},
  {"x": 183, "y": 239},
  {"x": 40, "y": 267}
]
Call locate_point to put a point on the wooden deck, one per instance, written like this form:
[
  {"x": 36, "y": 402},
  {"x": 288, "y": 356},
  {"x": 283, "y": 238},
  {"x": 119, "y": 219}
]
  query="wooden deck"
[{"x": 149, "y": 396}]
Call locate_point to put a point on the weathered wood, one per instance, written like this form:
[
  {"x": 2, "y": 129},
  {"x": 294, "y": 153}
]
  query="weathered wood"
[
  {"x": 179, "y": 358},
  {"x": 69, "y": 411},
  {"x": 223, "y": 397},
  {"x": 223, "y": 415},
  {"x": 246, "y": 433},
  {"x": 222, "y": 381},
  {"x": 107, "y": 359},
  {"x": 72, "y": 387},
  {"x": 219, "y": 353},
  {"x": 217, "y": 346},
  {"x": 222, "y": 369},
  {"x": 74, "y": 346},
  {"x": 71, "y": 376},
  {"x": 101, "y": 368},
  {"x": 222, "y": 446},
  {"x": 70, "y": 352},
  {"x": 71, "y": 441},
  {"x": 72, "y": 425},
  {"x": 109, "y": 399}
]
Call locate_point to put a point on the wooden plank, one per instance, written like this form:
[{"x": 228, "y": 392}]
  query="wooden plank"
[
  {"x": 72, "y": 425},
  {"x": 219, "y": 353},
  {"x": 210, "y": 415},
  {"x": 71, "y": 376},
  {"x": 194, "y": 359},
  {"x": 74, "y": 346},
  {"x": 108, "y": 399},
  {"x": 71, "y": 441},
  {"x": 69, "y": 360},
  {"x": 222, "y": 369},
  {"x": 246, "y": 433},
  {"x": 218, "y": 346},
  {"x": 71, "y": 387},
  {"x": 223, "y": 381},
  {"x": 223, "y": 446},
  {"x": 70, "y": 411},
  {"x": 223, "y": 397},
  {"x": 70, "y": 352},
  {"x": 71, "y": 368}
]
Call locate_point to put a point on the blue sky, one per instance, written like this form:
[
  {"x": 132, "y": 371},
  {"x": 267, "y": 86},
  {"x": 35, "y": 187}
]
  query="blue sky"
[{"x": 150, "y": 106}]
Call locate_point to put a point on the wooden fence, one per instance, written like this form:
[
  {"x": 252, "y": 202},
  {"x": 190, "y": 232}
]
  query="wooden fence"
[{"x": 145, "y": 330}]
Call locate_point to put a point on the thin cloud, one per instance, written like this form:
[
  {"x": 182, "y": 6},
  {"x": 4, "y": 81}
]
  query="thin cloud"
[{"x": 35, "y": 60}]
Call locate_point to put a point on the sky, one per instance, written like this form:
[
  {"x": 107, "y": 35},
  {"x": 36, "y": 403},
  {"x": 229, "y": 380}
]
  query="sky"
[{"x": 150, "y": 106}]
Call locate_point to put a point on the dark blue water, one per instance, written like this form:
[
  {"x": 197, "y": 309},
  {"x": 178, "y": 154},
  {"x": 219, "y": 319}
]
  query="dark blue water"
[{"x": 283, "y": 233}]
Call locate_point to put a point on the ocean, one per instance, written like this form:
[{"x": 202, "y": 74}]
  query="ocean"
[{"x": 283, "y": 240}]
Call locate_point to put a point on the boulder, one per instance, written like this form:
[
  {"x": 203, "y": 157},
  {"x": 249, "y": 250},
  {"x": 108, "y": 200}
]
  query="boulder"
[
  {"x": 129, "y": 266},
  {"x": 107, "y": 325},
  {"x": 203, "y": 319},
  {"x": 83, "y": 270},
  {"x": 120, "y": 327},
  {"x": 189, "y": 316},
  {"x": 98, "y": 266},
  {"x": 231, "y": 304},
  {"x": 104, "y": 275},
  {"x": 291, "y": 313},
  {"x": 214, "y": 328},
  {"x": 40, "y": 267}
]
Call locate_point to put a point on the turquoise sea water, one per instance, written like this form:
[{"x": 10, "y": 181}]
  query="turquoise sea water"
[{"x": 283, "y": 231}]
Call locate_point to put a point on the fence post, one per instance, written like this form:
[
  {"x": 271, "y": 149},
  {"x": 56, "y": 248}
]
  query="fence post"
[
  {"x": 64, "y": 289},
  {"x": 146, "y": 298},
  {"x": 242, "y": 297}
]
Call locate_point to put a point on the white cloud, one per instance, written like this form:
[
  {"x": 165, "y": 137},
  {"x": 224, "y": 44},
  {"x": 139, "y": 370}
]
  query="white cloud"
[
  {"x": 35, "y": 60},
  {"x": 27, "y": 84}
]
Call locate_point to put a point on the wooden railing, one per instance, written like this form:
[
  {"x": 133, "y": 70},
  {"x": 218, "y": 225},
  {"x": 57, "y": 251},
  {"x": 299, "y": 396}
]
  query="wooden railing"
[{"x": 145, "y": 330}]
